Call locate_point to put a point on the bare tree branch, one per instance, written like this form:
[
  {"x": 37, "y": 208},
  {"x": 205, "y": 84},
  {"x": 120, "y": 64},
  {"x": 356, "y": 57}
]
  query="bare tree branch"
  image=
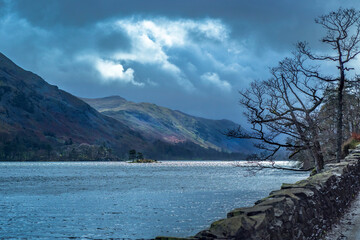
[{"x": 283, "y": 106}]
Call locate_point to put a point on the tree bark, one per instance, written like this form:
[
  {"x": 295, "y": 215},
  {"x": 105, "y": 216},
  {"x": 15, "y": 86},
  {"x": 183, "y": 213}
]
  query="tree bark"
[
  {"x": 316, "y": 147},
  {"x": 319, "y": 159},
  {"x": 339, "y": 135}
]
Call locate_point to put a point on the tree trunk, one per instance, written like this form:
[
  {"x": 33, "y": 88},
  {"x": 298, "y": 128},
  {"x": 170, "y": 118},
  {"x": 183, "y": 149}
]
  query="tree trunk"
[
  {"x": 319, "y": 159},
  {"x": 339, "y": 130}
]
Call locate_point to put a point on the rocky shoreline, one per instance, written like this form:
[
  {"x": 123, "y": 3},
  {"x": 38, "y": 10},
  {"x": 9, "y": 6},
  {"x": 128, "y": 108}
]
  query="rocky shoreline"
[{"x": 304, "y": 210}]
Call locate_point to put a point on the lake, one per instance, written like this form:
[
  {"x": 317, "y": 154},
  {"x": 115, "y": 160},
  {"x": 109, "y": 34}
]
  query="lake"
[{"x": 102, "y": 200}]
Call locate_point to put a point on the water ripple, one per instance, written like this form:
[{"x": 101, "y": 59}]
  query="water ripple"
[{"x": 119, "y": 200}]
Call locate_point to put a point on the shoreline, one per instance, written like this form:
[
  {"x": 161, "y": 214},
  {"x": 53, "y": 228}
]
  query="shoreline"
[{"x": 304, "y": 210}]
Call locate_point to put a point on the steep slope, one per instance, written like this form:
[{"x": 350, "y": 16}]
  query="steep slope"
[
  {"x": 171, "y": 126},
  {"x": 35, "y": 115}
]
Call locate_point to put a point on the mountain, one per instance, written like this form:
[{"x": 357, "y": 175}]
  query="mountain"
[
  {"x": 37, "y": 118},
  {"x": 40, "y": 122},
  {"x": 171, "y": 126}
]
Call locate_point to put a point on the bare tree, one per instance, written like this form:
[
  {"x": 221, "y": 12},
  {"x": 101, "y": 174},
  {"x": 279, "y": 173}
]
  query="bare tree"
[
  {"x": 287, "y": 104},
  {"x": 351, "y": 119},
  {"x": 343, "y": 29}
]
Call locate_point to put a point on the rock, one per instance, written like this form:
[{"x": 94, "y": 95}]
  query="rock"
[
  {"x": 304, "y": 210},
  {"x": 250, "y": 211},
  {"x": 229, "y": 227}
]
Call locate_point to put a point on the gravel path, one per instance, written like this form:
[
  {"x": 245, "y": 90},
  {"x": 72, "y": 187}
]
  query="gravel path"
[{"x": 348, "y": 228}]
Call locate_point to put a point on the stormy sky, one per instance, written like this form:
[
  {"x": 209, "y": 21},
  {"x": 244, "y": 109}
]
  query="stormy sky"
[{"x": 189, "y": 55}]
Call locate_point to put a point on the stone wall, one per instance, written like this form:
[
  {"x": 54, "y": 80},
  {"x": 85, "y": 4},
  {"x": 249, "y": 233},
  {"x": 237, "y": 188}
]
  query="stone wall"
[{"x": 304, "y": 210}]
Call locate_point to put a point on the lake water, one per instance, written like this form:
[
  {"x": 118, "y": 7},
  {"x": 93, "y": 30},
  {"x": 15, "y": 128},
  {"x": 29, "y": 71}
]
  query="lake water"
[{"x": 102, "y": 200}]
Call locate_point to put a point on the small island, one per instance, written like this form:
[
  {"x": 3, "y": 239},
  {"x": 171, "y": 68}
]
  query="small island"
[
  {"x": 144, "y": 161},
  {"x": 139, "y": 157}
]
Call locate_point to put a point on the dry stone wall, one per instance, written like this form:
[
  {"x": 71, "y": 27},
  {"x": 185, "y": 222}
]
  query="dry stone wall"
[{"x": 304, "y": 210}]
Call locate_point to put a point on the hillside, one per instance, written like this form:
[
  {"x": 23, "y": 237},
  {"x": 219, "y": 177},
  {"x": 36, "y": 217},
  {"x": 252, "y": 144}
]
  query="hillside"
[
  {"x": 36, "y": 118},
  {"x": 40, "y": 122},
  {"x": 171, "y": 126}
]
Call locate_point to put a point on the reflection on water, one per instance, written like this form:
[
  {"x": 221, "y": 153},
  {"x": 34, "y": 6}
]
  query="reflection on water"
[{"x": 121, "y": 200}]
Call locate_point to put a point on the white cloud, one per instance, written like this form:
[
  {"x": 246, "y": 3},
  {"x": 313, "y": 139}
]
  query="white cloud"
[
  {"x": 174, "y": 33},
  {"x": 112, "y": 71},
  {"x": 170, "y": 50},
  {"x": 214, "y": 79},
  {"x": 152, "y": 39}
]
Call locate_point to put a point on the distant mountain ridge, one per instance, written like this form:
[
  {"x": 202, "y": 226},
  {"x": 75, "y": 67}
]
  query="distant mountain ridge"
[
  {"x": 40, "y": 122},
  {"x": 172, "y": 126}
]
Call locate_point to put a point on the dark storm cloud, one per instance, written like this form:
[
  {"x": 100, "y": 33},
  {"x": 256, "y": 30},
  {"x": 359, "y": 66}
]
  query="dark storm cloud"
[
  {"x": 266, "y": 21},
  {"x": 110, "y": 41},
  {"x": 191, "y": 55}
]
